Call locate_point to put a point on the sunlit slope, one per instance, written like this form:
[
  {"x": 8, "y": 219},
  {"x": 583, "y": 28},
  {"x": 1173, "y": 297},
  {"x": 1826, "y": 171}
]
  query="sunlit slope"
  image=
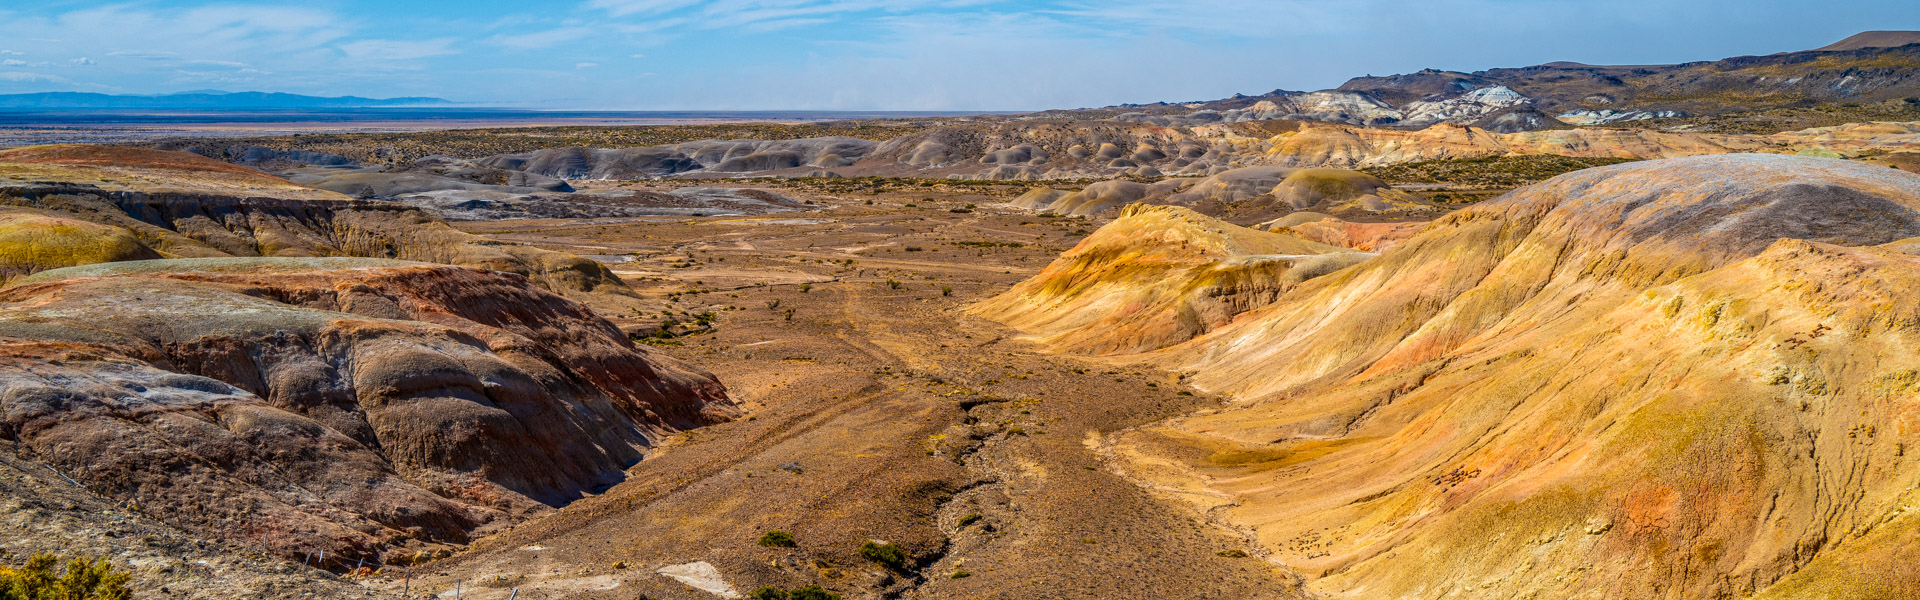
[
  {"x": 1157, "y": 276},
  {"x": 1682, "y": 378}
]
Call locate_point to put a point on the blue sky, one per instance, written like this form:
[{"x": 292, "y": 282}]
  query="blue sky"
[{"x": 853, "y": 55}]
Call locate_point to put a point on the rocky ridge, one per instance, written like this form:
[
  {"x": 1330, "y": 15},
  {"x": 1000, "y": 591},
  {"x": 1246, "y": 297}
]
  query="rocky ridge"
[
  {"x": 1243, "y": 196},
  {"x": 156, "y": 204}
]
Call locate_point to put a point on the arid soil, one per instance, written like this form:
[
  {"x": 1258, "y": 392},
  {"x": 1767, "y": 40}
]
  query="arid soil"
[
  {"x": 876, "y": 409},
  {"x": 872, "y": 400}
]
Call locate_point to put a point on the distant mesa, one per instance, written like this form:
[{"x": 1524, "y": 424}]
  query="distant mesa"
[
  {"x": 1873, "y": 39},
  {"x": 205, "y": 99}
]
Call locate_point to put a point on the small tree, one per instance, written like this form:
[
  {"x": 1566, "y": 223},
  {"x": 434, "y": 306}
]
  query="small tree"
[{"x": 84, "y": 580}]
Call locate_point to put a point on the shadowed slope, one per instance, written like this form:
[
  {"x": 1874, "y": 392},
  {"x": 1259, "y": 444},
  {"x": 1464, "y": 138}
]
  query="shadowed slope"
[{"x": 353, "y": 406}]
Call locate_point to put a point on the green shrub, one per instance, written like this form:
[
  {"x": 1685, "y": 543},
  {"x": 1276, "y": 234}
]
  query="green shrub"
[
  {"x": 970, "y": 519},
  {"x": 769, "y": 593},
  {"x": 961, "y": 574},
  {"x": 84, "y": 579},
  {"x": 777, "y": 539},
  {"x": 886, "y": 554},
  {"x": 813, "y": 592}
]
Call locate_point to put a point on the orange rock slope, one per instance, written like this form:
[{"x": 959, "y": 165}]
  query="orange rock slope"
[
  {"x": 1680, "y": 378},
  {"x": 1157, "y": 276}
]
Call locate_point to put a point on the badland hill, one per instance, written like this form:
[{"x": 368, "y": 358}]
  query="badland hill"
[
  {"x": 1678, "y": 376},
  {"x": 301, "y": 373}
]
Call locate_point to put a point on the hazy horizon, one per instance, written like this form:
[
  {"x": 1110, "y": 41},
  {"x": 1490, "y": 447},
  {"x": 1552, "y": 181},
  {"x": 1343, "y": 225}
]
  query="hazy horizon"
[{"x": 832, "y": 55}]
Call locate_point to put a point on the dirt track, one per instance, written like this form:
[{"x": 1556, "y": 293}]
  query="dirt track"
[{"x": 876, "y": 411}]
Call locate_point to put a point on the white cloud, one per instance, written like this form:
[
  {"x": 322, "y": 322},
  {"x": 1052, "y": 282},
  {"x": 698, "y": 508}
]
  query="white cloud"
[
  {"x": 585, "y": 65},
  {"x": 639, "y": 56},
  {"x": 174, "y": 36},
  {"x": 208, "y": 77},
  {"x": 397, "y": 50},
  {"x": 621, "y": 8},
  {"x": 13, "y": 62},
  {"x": 543, "y": 39},
  {"x": 143, "y": 54},
  {"x": 30, "y": 77},
  {"x": 9, "y": 53},
  {"x": 763, "y": 15}
]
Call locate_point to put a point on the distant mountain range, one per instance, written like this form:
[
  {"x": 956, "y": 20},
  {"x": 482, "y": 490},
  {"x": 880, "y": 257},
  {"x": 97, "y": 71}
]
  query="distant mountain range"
[
  {"x": 1872, "y": 76},
  {"x": 202, "y": 99}
]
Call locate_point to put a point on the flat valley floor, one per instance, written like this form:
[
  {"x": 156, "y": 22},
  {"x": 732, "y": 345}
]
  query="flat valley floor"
[{"x": 875, "y": 410}]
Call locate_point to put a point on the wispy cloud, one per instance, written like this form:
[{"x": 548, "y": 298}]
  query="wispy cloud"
[
  {"x": 31, "y": 77},
  {"x": 622, "y": 8},
  {"x": 720, "y": 14},
  {"x": 143, "y": 54},
  {"x": 542, "y": 39},
  {"x": 397, "y": 50}
]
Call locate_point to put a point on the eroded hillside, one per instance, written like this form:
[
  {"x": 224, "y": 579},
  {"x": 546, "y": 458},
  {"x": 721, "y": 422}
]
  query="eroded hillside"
[
  {"x": 238, "y": 358},
  {"x": 1158, "y": 276},
  {"x": 1674, "y": 377},
  {"x": 152, "y": 204}
]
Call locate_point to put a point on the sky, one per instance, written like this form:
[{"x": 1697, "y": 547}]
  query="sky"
[{"x": 935, "y": 55}]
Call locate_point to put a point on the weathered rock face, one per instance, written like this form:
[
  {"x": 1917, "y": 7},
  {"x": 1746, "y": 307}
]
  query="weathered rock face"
[
  {"x": 1244, "y": 196},
  {"x": 716, "y": 156},
  {"x": 353, "y": 406},
  {"x": 1689, "y": 377},
  {"x": 1158, "y": 276},
  {"x": 1333, "y": 231},
  {"x": 180, "y": 205}
]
